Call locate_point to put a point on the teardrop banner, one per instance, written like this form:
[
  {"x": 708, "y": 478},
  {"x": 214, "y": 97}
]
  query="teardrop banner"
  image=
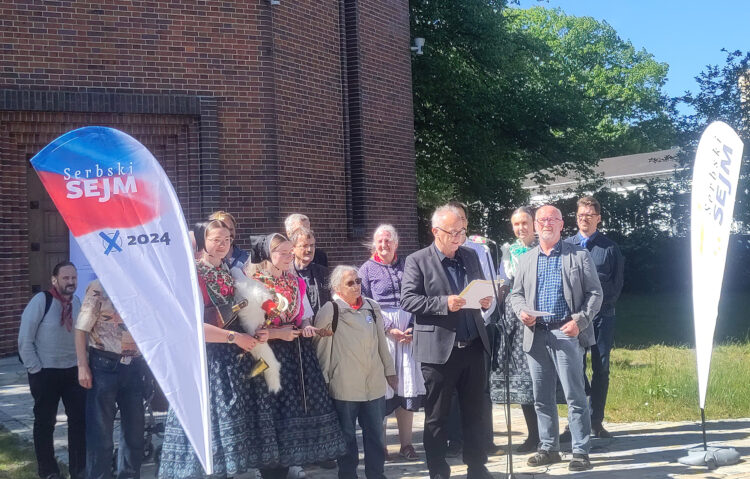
[
  {"x": 124, "y": 213},
  {"x": 715, "y": 175}
]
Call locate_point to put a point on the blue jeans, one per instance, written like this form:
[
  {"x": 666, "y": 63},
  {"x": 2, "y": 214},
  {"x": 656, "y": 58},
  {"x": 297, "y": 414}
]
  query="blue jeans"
[
  {"x": 114, "y": 384},
  {"x": 370, "y": 415},
  {"x": 554, "y": 354},
  {"x": 604, "y": 330}
]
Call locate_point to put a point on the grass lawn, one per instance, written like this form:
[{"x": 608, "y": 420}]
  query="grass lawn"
[{"x": 17, "y": 459}]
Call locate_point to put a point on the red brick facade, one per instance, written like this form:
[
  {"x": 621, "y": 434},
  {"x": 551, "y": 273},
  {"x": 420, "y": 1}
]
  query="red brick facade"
[{"x": 261, "y": 110}]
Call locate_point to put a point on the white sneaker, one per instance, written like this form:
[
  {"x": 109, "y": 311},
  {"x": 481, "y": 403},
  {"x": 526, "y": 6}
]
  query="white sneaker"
[{"x": 296, "y": 472}]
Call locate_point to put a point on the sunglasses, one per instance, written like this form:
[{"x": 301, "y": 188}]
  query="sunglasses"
[{"x": 352, "y": 283}]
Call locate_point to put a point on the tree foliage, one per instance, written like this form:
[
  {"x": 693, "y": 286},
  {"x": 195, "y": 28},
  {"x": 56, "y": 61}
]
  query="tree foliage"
[{"x": 501, "y": 93}]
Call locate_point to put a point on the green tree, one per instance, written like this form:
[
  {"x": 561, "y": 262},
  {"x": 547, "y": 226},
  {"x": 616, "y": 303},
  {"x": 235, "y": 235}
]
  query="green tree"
[{"x": 501, "y": 93}]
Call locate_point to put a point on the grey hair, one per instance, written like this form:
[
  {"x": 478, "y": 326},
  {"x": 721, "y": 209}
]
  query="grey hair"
[
  {"x": 550, "y": 206},
  {"x": 441, "y": 211},
  {"x": 300, "y": 233},
  {"x": 338, "y": 274},
  {"x": 384, "y": 228},
  {"x": 523, "y": 210},
  {"x": 291, "y": 220}
]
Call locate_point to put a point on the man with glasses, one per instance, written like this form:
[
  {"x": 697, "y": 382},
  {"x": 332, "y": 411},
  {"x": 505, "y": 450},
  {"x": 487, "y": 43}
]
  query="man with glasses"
[
  {"x": 556, "y": 294},
  {"x": 450, "y": 341},
  {"x": 315, "y": 275},
  {"x": 609, "y": 266}
]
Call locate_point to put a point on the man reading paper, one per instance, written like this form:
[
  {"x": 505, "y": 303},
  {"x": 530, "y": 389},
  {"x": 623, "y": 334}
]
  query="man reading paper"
[{"x": 449, "y": 342}]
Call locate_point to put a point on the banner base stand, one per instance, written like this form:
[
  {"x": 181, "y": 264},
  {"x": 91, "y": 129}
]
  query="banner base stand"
[{"x": 711, "y": 458}]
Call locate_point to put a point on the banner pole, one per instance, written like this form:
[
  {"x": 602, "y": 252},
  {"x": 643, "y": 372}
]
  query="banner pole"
[{"x": 703, "y": 426}]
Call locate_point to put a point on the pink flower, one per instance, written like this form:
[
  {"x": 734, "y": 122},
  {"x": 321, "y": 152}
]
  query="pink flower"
[{"x": 224, "y": 290}]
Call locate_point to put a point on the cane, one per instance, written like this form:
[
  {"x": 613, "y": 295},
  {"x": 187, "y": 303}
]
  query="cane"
[{"x": 301, "y": 374}]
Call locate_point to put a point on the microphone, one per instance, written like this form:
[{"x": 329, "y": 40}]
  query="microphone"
[{"x": 481, "y": 239}]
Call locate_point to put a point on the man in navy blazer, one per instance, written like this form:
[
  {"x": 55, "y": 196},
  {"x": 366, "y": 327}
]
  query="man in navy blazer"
[
  {"x": 610, "y": 266},
  {"x": 450, "y": 341}
]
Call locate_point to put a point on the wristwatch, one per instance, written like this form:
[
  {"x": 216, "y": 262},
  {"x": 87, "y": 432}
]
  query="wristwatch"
[{"x": 230, "y": 338}]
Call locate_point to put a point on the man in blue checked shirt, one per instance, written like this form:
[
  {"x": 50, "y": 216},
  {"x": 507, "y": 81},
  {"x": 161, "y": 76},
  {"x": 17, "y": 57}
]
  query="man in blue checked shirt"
[{"x": 557, "y": 294}]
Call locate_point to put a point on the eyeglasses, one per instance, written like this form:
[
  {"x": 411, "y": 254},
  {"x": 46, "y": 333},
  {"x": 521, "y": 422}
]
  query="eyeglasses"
[
  {"x": 306, "y": 246},
  {"x": 353, "y": 282},
  {"x": 550, "y": 220},
  {"x": 586, "y": 216},
  {"x": 453, "y": 234}
]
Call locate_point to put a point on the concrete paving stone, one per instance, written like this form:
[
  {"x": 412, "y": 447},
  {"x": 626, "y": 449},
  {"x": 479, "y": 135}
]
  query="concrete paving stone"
[{"x": 639, "y": 450}]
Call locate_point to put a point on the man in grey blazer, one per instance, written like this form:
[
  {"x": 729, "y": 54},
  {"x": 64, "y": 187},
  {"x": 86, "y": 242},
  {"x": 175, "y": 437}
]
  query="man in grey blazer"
[
  {"x": 558, "y": 278},
  {"x": 450, "y": 341}
]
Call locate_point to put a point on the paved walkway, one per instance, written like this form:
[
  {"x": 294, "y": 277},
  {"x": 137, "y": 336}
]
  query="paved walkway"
[{"x": 638, "y": 450}]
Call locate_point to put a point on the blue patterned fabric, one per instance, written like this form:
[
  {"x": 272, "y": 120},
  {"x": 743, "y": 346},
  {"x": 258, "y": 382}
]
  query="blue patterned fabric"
[
  {"x": 549, "y": 288},
  {"x": 242, "y": 427}
]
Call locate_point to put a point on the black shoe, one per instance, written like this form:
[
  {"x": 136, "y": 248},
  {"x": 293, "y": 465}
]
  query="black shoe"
[
  {"x": 478, "y": 472},
  {"x": 529, "y": 445},
  {"x": 565, "y": 436},
  {"x": 454, "y": 450},
  {"x": 330, "y": 464},
  {"x": 543, "y": 458},
  {"x": 597, "y": 430},
  {"x": 580, "y": 462},
  {"x": 54, "y": 475}
]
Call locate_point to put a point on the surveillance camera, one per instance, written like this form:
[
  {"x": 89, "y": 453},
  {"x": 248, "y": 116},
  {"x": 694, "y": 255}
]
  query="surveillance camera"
[{"x": 418, "y": 44}]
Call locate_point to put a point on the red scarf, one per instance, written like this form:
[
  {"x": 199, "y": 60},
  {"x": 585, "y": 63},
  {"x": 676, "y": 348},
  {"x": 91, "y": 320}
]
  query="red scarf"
[
  {"x": 66, "y": 318},
  {"x": 356, "y": 305},
  {"x": 376, "y": 257}
]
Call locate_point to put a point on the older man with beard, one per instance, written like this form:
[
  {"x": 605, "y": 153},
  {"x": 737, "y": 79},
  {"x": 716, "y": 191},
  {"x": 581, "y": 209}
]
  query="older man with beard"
[{"x": 556, "y": 295}]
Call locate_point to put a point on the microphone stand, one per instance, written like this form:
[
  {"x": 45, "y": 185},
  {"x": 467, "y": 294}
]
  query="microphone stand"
[{"x": 506, "y": 371}]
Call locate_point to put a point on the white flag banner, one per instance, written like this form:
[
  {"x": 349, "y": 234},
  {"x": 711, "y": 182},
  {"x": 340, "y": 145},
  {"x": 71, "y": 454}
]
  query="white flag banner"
[
  {"x": 717, "y": 169},
  {"x": 125, "y": 216}
]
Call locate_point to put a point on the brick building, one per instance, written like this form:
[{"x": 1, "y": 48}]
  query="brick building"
[{"x": 259, "y": 109}]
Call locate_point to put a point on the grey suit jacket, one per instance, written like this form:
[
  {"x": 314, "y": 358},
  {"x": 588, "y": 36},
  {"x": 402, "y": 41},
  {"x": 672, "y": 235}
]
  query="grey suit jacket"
[
  {"x": 424, "y": 293},
  {"x": 581, "y": 288}
]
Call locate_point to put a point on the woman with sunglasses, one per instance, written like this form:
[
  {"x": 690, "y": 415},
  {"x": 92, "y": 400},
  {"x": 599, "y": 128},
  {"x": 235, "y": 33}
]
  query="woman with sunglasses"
[
  {"x": 356, "y": 365},
  {"x": 306, "y": 426},
  {"x": 381, "y": 280}
]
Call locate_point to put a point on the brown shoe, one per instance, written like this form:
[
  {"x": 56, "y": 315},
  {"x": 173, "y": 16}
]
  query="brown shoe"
[{"x": 543, "y": 458}]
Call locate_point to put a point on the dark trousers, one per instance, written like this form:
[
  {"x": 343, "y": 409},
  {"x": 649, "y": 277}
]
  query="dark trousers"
[
  {"x": 114, "y": 385},
  {"x": 48, "y": 386},
  {"x": 455, "y": 435},
  {"x": 604, "y": 331},
  {"x": 464, "y": 373},
  {"x": 370, "y": 415}
]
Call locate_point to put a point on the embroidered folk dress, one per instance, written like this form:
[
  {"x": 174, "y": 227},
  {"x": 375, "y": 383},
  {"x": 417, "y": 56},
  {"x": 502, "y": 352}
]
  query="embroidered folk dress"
[
  {"x": 306, "y": 426},
  {"x": 242, "y": 427},
  {"x": 382, "y": 282}
]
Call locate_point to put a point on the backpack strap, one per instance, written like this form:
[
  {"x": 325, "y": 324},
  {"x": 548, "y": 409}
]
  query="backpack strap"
[
  {"x": 335, "y": 321},
  {"x": 47, "y": 302}
]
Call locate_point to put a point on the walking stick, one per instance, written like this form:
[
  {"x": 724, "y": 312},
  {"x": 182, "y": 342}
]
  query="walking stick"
[{"x": 301, "y": 374}]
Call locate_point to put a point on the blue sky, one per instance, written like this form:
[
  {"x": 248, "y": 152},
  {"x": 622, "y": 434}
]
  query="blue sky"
[{"x": 685, "y": 34}]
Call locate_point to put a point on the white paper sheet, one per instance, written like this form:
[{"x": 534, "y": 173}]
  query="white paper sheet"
[{"x": 477, "y": 290}]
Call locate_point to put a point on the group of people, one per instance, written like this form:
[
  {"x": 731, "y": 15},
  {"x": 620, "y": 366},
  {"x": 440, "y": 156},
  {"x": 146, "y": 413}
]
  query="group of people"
[{"x": 355, "y": 345}]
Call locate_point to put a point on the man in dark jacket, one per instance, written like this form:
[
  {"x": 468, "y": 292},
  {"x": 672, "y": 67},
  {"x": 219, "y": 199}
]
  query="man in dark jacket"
[
  {"x": 450, "y": 340},
  {"x": 609, "y": 265},
  {"x": 315, "y": 275}
]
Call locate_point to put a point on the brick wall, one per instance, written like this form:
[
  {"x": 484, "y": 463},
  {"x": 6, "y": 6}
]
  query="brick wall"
[{"x": 274, "y": 83}]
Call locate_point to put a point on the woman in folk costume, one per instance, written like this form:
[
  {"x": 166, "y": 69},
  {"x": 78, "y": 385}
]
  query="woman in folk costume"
[
  {"x": 381, "y": 280},
  {"x": 521, "y": 391},
  {"x": 236, "y": 400},
  {"x": 306, "y": 425}
]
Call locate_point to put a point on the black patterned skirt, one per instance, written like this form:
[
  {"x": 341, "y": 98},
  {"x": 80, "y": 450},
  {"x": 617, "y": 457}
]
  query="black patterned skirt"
[
  {"x": 307, "y": 427},
  {"x": 242, "y": 427}
]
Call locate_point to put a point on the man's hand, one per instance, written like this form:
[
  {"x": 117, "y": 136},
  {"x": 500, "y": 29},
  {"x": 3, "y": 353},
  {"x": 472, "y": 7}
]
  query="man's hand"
[
  {"x": 455, "y": 303},
  {"x": 287, "y": 333},
  {"x": 527, "y": 319},
  {"x": 570, "y": 329},
  {"x": 84, "y": 376},
  {"x": 397, "y": 334},
  {"x": 485, "y": 303},
  {"x": 392, "y": 382}
]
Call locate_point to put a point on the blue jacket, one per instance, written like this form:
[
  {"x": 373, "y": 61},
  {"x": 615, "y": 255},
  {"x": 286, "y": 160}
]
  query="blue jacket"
[{"x": 610, "y": 265}]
